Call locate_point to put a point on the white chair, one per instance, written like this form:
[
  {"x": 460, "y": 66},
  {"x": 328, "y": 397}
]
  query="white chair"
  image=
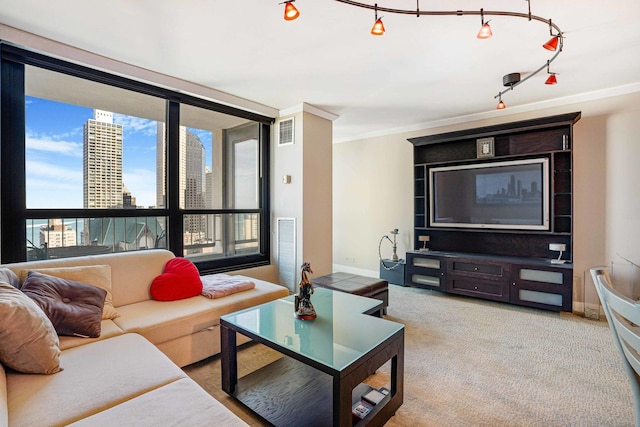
[{"x": 623, "y": 315}]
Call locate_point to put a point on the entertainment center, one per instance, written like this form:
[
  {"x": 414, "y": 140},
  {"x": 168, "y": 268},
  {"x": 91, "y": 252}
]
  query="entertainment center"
[{"x": 492, "y": 200}]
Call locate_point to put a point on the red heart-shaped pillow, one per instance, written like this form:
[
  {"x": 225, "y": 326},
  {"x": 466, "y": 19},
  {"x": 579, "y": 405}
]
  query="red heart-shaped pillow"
[{"x": 181, "y": 279}]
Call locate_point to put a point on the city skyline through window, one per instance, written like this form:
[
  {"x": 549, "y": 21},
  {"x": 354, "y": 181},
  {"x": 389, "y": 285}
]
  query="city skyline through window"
[
  {"x": 54, "y": 145},
  {"x": 98, "y": 163}
]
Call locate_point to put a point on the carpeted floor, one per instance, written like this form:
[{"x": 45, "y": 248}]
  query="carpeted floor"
[{"x": 470, "y": 362}]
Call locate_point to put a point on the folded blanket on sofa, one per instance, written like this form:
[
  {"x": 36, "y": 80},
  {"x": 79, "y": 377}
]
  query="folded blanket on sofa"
[{"x": 221, "y": 285}]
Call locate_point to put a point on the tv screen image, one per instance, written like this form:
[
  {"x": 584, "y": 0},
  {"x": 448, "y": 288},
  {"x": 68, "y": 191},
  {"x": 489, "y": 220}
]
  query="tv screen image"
[{"x": 497, "y": 195}]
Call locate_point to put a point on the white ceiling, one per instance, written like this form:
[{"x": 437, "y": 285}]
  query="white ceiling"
[{"x": 423, "y": 70}]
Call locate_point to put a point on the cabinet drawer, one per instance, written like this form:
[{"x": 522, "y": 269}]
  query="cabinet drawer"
[
  {"x": 421, "y": 279},
  {"x": 480, "y": 288},
  {"x": 473, "y": 267},
  {"x": 426, "y": 262}
]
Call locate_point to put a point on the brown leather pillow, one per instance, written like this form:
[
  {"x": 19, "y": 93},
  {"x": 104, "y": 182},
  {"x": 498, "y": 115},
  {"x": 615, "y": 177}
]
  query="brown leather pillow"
[{"x": 74, "y": 308}]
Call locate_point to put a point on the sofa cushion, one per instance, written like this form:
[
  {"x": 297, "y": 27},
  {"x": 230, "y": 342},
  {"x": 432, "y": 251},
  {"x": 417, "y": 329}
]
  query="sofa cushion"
[
  {"x": 28, "y": 341},
  {"x": 96, "y": 275},
  {"x": 180, "y": 403},
  {"x": 108, "y": 329},
  {"x": 8, "y": 276},
  {"x": 96, "y": 377},
  {"x": 74, "y": 308},
  {"x": 160, "y": 322},
  {"x": 180, "y": 279}
]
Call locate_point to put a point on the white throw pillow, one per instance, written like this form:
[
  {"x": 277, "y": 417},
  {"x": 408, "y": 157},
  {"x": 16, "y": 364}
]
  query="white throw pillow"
[{"x": 28, "y": 341}]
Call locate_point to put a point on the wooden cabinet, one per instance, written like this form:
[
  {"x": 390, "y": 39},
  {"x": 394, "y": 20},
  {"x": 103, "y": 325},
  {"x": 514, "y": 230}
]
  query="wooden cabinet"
[
  {"x": 478, "y": 277},
  {"x": 425, "y": 270},
  {"x": 542, "y": 285},
  {"x": 522, "y": 281},
  {"x": 509, "y": 264}
]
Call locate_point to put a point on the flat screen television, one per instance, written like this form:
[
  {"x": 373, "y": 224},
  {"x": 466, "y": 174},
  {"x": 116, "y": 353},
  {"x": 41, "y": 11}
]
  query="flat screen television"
[{"x": 497, "y": 195}]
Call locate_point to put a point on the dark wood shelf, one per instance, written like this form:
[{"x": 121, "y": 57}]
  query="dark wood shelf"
[{"x": 289, "y": 393}]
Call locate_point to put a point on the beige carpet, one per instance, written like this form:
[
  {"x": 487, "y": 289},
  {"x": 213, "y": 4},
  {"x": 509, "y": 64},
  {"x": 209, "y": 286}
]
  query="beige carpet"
[{"x": 470, "y": 362}]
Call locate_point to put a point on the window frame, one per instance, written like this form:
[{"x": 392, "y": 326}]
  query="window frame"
[{"x": 13, "y": 210}]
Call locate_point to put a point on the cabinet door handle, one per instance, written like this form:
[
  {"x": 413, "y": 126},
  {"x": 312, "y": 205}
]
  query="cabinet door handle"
[
  {"x": 475, "y": 287},
  {"x": 475, "y": 268},
  {"x": 514, "y": 283}
]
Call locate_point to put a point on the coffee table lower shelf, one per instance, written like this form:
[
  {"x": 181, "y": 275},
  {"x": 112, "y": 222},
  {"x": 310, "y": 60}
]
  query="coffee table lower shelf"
[{"x": 289, "y": 393}]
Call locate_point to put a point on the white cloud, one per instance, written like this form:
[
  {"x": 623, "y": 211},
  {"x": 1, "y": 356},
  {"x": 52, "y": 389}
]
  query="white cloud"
[
  {"x": 48, "y": 144},
  {"x": 51, "y": 171},
  {"x": 54, "y": 175},
  {"x": 135, "y": 124}
]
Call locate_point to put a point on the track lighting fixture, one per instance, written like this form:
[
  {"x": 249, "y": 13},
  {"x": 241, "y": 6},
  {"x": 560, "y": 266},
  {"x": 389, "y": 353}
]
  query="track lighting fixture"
[
  {"x": 551, "y": 80},
  {"x": 378, "y": 26},
  {"x": 485, "y": 30},
  {"x": 290, "y": 11},
  {"x": 553, "y": 45}
]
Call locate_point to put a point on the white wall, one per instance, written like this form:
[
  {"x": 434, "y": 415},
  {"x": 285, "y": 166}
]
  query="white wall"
[
  {"x": 372, "y": 195},
  {"x": 317, "y": 237},
  {"x": 373, "y": 189}
]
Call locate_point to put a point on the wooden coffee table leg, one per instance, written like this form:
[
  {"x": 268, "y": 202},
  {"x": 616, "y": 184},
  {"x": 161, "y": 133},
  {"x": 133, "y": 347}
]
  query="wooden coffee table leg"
[
  {"x": 341, "y": 402},
  {"x": 228, "y": 359}
]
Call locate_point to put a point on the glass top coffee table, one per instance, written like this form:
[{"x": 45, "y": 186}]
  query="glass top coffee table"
[{"x": 327, "y": 360}]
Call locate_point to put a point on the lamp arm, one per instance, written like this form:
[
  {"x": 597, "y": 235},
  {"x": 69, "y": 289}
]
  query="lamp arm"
[{"x": 545, "y": 65}]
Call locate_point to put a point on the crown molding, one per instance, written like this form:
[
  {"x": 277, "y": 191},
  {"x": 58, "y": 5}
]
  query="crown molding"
[
  {"x": 535, "y": 106},
  {"x": 308, "y": 108}
]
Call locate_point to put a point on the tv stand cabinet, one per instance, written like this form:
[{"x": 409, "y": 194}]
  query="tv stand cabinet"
[{"x": 530, "y": 282}]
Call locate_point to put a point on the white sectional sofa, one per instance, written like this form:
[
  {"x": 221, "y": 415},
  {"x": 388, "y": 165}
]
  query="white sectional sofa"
[{"x": 126, "y": 375}]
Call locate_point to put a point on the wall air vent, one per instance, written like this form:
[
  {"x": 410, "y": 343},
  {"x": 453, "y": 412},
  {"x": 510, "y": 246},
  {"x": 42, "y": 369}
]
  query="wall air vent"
[{"x": 285, "y": 132}]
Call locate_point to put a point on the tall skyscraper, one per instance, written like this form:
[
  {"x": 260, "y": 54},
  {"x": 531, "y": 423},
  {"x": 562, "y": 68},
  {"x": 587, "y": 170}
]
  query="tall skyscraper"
[
  {"x": 191, "y": 179},
  {"x": 191, "y": 182},
  {"x": 161, "y": 165},
  {"x": 194, "y": 193},
  {"x": 102, "y": 162}
]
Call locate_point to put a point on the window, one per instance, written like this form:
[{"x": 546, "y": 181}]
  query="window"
[{"x": 95, "y": 163}]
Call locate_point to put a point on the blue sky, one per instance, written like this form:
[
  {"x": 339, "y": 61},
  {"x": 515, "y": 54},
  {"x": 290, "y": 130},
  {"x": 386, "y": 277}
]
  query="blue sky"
[{"x": 54, "y": 154}]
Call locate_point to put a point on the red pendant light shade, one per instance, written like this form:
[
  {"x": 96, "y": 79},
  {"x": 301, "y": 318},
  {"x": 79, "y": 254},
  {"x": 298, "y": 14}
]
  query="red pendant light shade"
[
  {"x": 551, "y": 80},
  {"x": 552, "y": 44},
  {"x": 485, "y": 32},
  {"x": 501, "y": 105},
  {"x": 378, "y": 28},
  {"x": 290, "y": 11}
]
